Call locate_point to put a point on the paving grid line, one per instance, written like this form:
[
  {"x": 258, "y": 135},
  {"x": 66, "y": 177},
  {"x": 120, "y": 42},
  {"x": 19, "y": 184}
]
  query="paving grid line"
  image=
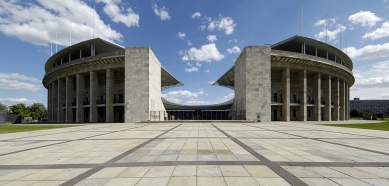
[
  {"x": 90, "y": 172},
  {"x": 52, "y": 133},
  {"x": 334, "y": 143},
  {"x": 334, "y": 164},
  {"x": 8, "y": 153},
  {"x": 287, "y": 176}
]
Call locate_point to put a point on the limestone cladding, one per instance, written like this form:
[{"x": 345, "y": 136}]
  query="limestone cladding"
[
  {"x": 253, "y": 82},
  {"x": 142, "y": 84}
]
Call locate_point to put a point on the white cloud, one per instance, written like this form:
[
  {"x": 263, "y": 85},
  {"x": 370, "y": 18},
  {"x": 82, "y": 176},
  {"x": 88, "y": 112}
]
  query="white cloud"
[
  {"x": 234, "y": 49},
  {"x": 12, "y": 101},
  {"x": 208, "y": 70},
  {"x": 19, "y": 82},
  {"x": 193, "y": 69},
  {"x": 330, "y": 34},
  {"x": 39, "y": 23},
  {"x": 181, "y": 35},
  {"x": 118, "y": 15},
  {"x": 212, "y": 38},
  {"x": 211, "y": 82},
  {"x": 161, "y": 12},
  {"x": 229, "y": 96},
  {"x": 369, "y": 51},
  {"x": 189, "y": 64},
  {"x": 379, "y": 32},
  {"x": 223, "y": 23},
  {"x": 194, "y": 102},
  {"x": 180, "y": 52},
  {"x": 365, "y": 18},
  {"x": 197, "y": 14},
  {"x": 323, "y": 22},
  {"x": 175, "y": 96},
  {"x": 235, "y": 40},
  {"x": 206, "y": 53},
  {"x": 198, "y": 64},
  {"x": 189, "y": 43},
  {"x": 202, "y": 27}
]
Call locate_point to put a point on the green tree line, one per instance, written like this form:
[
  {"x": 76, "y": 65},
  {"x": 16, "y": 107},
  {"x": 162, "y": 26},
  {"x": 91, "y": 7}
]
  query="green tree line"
[{"x": 37, "y": 111}]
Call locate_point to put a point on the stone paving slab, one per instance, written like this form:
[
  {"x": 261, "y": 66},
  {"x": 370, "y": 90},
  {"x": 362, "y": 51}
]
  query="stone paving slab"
[{"x": 274, "y": 153}]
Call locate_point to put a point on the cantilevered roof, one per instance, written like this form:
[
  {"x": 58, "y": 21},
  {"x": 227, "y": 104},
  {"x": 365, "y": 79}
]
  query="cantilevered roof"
[
  {"x": 175, "y": 106},
  {"x": 168, "y": 80},
  {"x": 101, "y": 46},
  {"x": 294, "y": 43},
  {"x": 227, "y": 79}
]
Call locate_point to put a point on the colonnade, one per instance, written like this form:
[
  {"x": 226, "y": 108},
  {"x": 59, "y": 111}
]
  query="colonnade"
[
  {"x": 66, "y": 100},
  {"x": 330, "y": 97}
]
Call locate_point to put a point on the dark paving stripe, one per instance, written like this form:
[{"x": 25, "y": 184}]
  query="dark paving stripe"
[
  {"x": 290, "y": 178},
  {"x": 176, "y": 163},
  {"x": 49, "y": 166},
  {"x": 325, "y": 141},
  {"x": 335, "y": 164},
  {"x": 8, "y": 153},
  {"x": 88, "y": 173}
]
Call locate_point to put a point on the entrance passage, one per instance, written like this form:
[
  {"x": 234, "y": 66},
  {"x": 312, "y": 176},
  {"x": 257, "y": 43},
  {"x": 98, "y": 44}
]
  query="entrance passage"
[{"x": 197, "y": 115}]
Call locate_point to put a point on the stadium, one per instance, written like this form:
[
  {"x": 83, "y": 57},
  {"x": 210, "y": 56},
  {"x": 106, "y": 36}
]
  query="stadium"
[{"x": 298, "y": 79}]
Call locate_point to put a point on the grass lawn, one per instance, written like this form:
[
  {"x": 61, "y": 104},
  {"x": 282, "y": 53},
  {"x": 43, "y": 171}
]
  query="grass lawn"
[
  {"x": 9, "y": 128},
  {"x": 374, "y": 126}
]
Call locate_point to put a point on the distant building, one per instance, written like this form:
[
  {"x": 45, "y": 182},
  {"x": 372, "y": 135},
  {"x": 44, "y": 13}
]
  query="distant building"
[{"x": 378, "y": 106}]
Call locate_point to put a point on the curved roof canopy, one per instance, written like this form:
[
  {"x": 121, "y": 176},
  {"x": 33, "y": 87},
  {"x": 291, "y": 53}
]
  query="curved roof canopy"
[
  {"x": 294, "y": 44},
  {"x": 175, "y": 106},
  {"x": 101, "y": 46}
]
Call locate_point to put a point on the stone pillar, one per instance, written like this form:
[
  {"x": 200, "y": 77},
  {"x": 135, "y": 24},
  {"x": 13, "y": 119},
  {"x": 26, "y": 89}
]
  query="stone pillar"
[
  {"x": 317, "y": 97},
  {"x": 303, "y": 94},
  {"x": 286, "y": 94},
  {"x": 110, "y": 74},
  {"x": 80, "y": 85},
  {"x": 342, "y": 100},
  {"x": 61, "y": 100},
  {"x": 335, "y": 98},
  {"x": 54, "y": 100},
  {"x": 347, "y": 104},
  {"x": 142, "y": 84},
  {"x": 69, "y": 99},
  {"x": 253, "y": 82},
  {"x": 93, "y": 91},
  {"x": 49, "y": 105},
  {"x": 327, "y": 97}
]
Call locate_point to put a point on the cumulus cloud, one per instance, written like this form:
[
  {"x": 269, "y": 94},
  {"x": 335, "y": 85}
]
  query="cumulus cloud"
[
  {"x": 196, "y": 102},
  {"x": 189, "y": 64},
  {"x": 330, "y": 34},
  {"x": 364, "y": 18},
  {"x": 208, "y": 70},
  {"x": 234, "y": 49},
  {"x": 197, "y": 14},
  {"x": 12, "y": 101},
  {"x": 369, "y": 52},
  {"x": 175, "y": 96},
  {"x": 374, "y": 76},
  {"x": 211, "y": 82},
  {"x": 162, "y": 13},
  {"x": 198, "y": 64},
  {"x": 379, "y": 32},
  {"x": 235, "y": 40},
  {"x": 193, "y": 69},
  {"x": 19, "y": 82},
  {"x": 206, "y": 53},
  {"x": 322, "y": 22},
  {"x": 181, "y": 35},
  {"x": 212, "y": 38},
  {"x": 118, "y": 15},
  {"x": 42, "y": 23},
  {"x": 189, "y": 43},
  {"x": 223, "y": 23}
]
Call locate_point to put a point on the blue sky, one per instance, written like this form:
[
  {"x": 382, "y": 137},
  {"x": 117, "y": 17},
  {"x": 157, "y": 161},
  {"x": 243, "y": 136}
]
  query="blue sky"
[{"x": 197, "y": 41}]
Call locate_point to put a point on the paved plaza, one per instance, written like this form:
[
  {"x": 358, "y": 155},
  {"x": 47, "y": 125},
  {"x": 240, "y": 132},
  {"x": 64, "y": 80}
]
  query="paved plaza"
[{"x": 276, "y": 153}]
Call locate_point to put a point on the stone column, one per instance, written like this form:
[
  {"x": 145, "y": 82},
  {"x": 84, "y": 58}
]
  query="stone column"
[
  {"x": 110, "y": 74},
  {"x": 61, "y": 100},
  {"x": 49, "y": 105},
  {"x": 286, "y": 94},
  {"x": 327, "y": 97},
  {"x": 335, "y": 98},
  {"x": 303, "y": 94},
  {"x": 342, "y": 100},
  {"x": 54, "y": 100},
  {"x": 80, "y": 85},
  {"x": 347, "y": 104},
  {"x": 93, "y": 114},
  {"x": 69, "y": 99},
  {"x": 317, "y": 96}
]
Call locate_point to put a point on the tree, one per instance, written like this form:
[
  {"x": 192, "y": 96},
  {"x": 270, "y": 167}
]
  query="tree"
[
  {"x": 369, "y": 114},
  {"x": 3, "y": 108},
  {"x": 38, "y": 111},
  {"x": 355, "y": 113},
  {"x": 19, "y": 108}
]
